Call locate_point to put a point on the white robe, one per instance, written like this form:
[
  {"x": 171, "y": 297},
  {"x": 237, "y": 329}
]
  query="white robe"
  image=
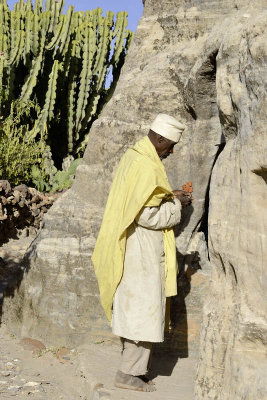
[{"x": 139, "y": 301}]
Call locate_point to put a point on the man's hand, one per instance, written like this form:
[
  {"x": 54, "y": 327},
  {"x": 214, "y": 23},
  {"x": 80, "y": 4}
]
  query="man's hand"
[{"x": 184, "y": 197}]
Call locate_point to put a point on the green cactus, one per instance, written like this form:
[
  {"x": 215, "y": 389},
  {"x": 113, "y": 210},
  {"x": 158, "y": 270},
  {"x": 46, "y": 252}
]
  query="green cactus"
[
  {"x": 38, "y": 7},
  {"x": 47, "y": 111},
  {"x": 65, "y": 36},
  {"x": 89, "y": 50},
  {"x": 120, "y": 34},
  {"x": 31, "y": 79},
  {"x": 61, "y": 62}
]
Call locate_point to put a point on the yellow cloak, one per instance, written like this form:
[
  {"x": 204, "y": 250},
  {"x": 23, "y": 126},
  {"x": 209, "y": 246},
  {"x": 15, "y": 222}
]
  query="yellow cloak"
[{"x": 140, "y": 181}]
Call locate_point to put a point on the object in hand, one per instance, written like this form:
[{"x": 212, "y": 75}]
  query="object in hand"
[{"x": 187, "y": 187}]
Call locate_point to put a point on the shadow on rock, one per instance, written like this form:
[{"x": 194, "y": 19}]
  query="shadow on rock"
[
  {"x": 12, "y": 271},
  {"x": 166, "y": 355},
  {"x": 162, "y": 364},
  {"x": 11, "y": 275},
  {"x": 185, "y": 218},
  {"x": 178, "y": 336}
]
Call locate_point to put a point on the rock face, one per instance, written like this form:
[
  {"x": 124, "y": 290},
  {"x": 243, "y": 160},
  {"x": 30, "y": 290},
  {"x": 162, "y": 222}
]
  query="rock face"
[
  {"x": 233, "y": 362},
  {"x": 203, "y": 63}
]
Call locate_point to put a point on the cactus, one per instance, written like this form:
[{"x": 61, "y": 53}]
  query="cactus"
[
  {"x": 65, "y": 37},
  {"x": 120, "y": 34},
  {"x": 86, "y": 73},
  {"x": 31, "y": 80},
  {"x": 61, "y": 62},
  {"x": 47, "y": 111}
]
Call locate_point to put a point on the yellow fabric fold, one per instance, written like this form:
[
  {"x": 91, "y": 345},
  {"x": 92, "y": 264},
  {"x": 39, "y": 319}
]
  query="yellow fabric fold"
[{"x": 140, "y": 181}]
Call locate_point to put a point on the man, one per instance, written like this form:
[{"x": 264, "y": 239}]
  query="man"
[{"x": 135, "y": 253}]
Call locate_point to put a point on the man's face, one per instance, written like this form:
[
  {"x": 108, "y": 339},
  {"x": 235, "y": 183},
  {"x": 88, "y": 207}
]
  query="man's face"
[{"x": 164, "y": 147}]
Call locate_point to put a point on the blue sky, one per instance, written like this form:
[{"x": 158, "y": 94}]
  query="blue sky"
[{"x": 134, "y": 8}]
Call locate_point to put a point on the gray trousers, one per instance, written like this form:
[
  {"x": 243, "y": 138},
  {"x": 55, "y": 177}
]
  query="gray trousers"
[{"x": 135, "y": 357}]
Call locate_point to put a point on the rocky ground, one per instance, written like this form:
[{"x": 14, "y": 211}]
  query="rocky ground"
[
  {"x": 85, "y": 373},
  {"x": 29, "y": 373},
  {"x": 30, "y": 370}
]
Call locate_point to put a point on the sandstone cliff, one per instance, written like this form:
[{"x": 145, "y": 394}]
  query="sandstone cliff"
[
  {"x": 233, "y": 363},
  {"x": 205, "y": 63}
]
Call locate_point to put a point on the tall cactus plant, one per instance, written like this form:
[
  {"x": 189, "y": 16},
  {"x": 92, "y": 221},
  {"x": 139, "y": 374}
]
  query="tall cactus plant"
[{"x": 60, "y": 61}]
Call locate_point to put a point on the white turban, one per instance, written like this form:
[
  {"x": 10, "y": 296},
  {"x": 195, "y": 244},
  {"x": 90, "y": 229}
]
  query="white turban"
[{"x": 168, "y": 127}]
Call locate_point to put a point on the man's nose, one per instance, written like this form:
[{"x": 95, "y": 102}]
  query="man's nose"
[{"x": 171, "y": 150}]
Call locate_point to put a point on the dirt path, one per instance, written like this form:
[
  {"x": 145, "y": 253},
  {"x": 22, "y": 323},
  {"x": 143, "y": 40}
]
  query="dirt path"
[
  {"x": 26, "y": 375},
  {"x": 174, "y": 379},
  {"x": 87, "y": 372}
]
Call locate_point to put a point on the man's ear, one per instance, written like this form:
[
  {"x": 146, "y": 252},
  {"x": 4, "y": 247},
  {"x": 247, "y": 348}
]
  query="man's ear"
[{"x": 160, "y": 139}]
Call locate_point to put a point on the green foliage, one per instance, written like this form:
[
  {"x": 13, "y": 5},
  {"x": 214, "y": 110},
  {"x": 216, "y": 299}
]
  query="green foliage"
[
  {"x": 73, "y": 166},
  {"x": 20, "y": 151},
  {"x": 25, "y": 156},
  {"x": 57, "y": 182},
  {"x": 39, "y": 179},
  {"x": 64, "y": 179},
  {"x": 62, "y": 61}
]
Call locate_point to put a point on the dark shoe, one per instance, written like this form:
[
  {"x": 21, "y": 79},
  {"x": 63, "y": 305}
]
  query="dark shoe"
[{"x": 125, "y": 381}]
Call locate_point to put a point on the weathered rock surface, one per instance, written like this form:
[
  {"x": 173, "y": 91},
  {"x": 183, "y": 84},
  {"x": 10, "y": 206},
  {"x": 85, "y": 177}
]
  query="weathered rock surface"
[
  {"x": 59, "y": 296},
  {"x": 233, "y": 362},
  {"x": 202, "y": 62}
]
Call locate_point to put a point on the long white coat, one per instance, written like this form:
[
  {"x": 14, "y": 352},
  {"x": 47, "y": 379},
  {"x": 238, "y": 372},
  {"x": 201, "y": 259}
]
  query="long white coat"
[{"x": 139, "y": 301}]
